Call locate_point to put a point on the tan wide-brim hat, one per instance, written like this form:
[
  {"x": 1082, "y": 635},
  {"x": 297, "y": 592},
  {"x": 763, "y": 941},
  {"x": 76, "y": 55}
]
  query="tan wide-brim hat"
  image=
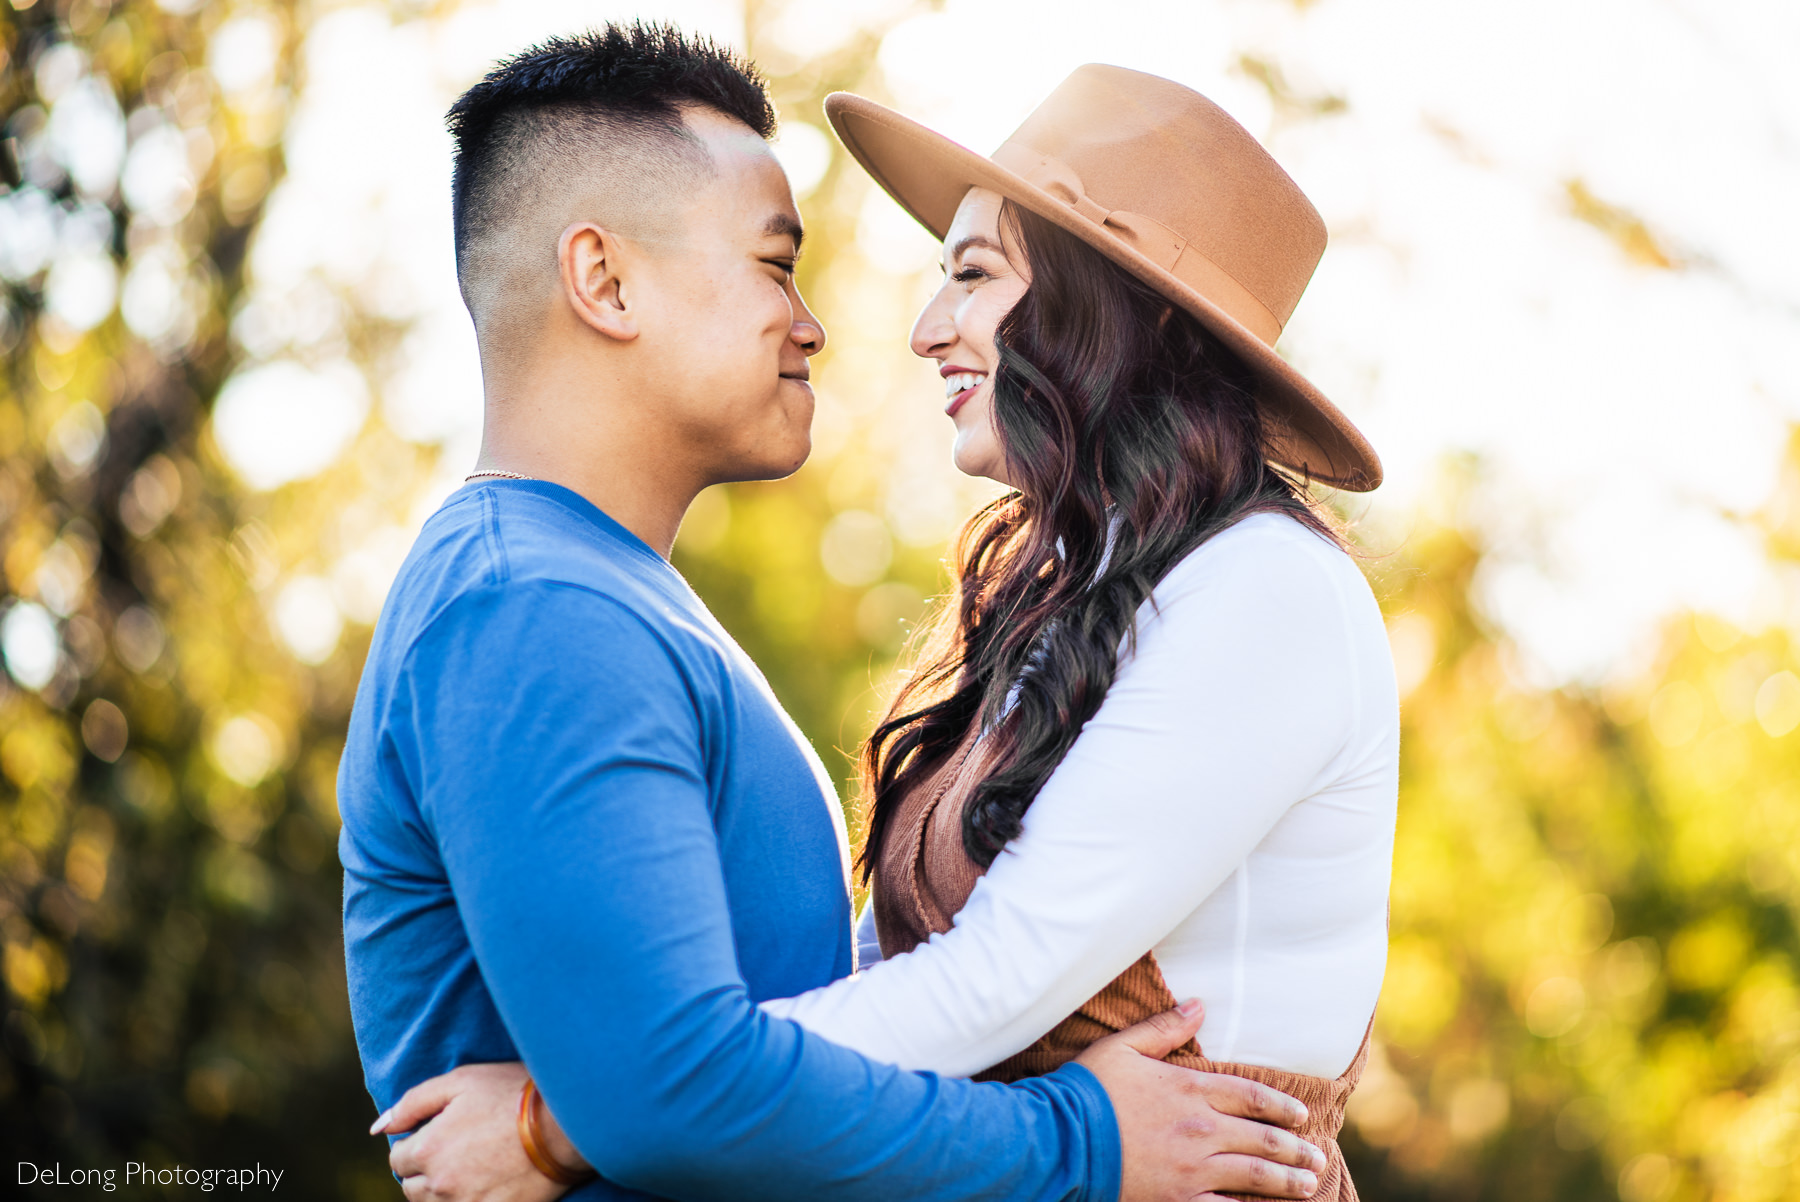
[{"x": 1164, "y": 183}]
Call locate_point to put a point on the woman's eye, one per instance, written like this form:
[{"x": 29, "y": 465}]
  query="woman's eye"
[{"x": 969, "y": 275}]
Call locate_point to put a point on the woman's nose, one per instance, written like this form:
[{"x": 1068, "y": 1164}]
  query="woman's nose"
[{"x": 935, "y": 330}]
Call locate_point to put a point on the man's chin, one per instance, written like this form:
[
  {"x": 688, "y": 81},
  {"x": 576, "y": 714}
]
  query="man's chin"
[
  {"x": 792, "y": 462},
  {"x": 769, "y": 463}
]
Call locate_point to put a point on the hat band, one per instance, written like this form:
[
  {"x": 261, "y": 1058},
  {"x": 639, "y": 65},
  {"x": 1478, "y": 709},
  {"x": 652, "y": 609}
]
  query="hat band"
[{"x": 1147, "y": 236}]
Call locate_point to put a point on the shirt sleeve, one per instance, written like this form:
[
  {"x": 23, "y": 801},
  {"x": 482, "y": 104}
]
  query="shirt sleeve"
[
  {"x": 868, "y": 942},
  {"x": 1240, "y": 693},
  {"x": 560, "y": 755}
]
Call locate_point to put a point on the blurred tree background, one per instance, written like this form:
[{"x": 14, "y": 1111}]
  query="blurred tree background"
[
  {"x": 1592, "y": 988},
  {"x": 173, "y": 973},
  {"x": 1591, "y": 985}
]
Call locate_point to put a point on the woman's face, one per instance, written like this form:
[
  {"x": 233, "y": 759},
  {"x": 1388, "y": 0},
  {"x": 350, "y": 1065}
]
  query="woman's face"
[{"x": 982, "y": 282}]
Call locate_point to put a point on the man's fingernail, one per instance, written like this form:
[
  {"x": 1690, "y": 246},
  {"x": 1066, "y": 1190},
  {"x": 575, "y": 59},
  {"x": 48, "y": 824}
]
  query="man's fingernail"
[
  {"x": 1189, "y": 1008},
  {"x": 1308, "y": 1181},
  {"x": 381, "y": 1122},
  {"x": 1300, "y": 1112}
]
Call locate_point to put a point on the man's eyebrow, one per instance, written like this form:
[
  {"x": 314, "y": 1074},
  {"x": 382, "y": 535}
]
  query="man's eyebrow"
[{"x": 781, "y": 225}]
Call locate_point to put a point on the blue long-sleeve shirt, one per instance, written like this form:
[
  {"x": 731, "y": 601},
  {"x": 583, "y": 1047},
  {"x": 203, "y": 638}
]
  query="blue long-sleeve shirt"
[{"x": 580, "y": 831}]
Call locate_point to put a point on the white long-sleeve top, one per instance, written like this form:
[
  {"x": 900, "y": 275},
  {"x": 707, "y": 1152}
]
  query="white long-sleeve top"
[{"x": 1231, "y": 806}]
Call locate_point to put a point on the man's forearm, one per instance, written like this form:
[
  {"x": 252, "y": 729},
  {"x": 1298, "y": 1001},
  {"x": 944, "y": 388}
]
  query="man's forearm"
[{"x": 669, "y": 1080}]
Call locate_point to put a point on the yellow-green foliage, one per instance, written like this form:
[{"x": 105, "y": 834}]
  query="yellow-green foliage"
[{"x": 1592, "y": 976}]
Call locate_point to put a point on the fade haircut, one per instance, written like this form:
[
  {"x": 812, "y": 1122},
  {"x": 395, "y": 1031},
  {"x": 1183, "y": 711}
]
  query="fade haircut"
[{"x": 599, "y": 113}]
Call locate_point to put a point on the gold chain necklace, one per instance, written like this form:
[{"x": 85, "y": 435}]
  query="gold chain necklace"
[{"x": 496, "y": 472}]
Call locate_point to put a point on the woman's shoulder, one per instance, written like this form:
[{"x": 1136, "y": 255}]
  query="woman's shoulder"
[
  {"x": 1274, "y": 593},
  {"x": 1264, "y": 553}
]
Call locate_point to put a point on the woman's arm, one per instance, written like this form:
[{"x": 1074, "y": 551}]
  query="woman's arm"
[{"x": 1242, "y": 692}]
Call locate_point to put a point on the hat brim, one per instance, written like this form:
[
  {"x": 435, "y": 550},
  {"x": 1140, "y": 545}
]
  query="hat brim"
[{"x": 928, "y": 174}]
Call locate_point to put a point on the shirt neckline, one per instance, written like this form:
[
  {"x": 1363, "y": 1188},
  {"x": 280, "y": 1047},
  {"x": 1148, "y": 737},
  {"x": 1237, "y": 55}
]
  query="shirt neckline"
[{"x": 578, "y": 505}]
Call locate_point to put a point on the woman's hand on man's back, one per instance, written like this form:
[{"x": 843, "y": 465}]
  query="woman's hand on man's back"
[{"x": 464, "y": 1143}]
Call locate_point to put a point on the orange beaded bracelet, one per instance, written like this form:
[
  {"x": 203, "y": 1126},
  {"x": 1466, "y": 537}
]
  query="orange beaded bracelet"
[{"x": 533, "y": 1141}]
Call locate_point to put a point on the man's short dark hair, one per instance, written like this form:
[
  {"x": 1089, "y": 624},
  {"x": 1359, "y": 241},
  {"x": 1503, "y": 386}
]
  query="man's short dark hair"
[{"x": 611, "y": 96}]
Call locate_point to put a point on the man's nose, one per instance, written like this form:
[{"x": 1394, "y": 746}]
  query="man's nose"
[
  {"x": 808, "y": 331},
  {"x": 809, "y": 336}
]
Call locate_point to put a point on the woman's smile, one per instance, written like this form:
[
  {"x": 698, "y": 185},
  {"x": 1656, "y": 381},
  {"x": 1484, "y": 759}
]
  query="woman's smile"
[{"x": 960, "y": 384}]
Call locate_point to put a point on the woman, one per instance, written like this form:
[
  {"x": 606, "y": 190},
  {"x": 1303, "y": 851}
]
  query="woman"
[{"x": 1153, "y": 751}]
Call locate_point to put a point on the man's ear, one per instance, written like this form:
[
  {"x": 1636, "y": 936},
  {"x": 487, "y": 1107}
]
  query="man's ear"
[{"x": 590, "y": 260}]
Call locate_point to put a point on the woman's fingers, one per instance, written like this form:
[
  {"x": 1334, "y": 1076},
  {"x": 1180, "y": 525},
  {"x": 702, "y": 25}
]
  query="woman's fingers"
[
  {"x": 427, "y": 1099},
  {"x": 1161, "y": 1034},
  {"x": 416, "y": 1105},
  {"x": 406, "y": 1158},
  {"x": 466, "y": 1146}
]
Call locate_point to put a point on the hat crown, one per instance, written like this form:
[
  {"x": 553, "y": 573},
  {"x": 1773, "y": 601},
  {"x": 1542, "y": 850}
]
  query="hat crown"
[{"x": 1150, "y": 146}]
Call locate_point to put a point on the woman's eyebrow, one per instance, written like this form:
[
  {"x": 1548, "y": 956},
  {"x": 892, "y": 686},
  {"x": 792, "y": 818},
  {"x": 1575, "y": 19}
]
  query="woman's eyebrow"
[{"x": 964, "y": 244}]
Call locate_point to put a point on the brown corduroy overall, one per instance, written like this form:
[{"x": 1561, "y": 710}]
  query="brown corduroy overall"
[{"x": 924, "y": 877}]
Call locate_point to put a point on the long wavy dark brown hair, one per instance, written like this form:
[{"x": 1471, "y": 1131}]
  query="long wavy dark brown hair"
[{"x": 1114, "y": 409}]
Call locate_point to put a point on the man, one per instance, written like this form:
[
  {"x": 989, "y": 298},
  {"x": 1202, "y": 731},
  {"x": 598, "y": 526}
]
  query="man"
[{"x": 578, "y": 829}]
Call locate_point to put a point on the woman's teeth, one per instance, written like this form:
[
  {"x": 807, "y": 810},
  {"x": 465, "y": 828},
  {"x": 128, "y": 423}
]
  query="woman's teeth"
[{"x": 961, "y": 380}]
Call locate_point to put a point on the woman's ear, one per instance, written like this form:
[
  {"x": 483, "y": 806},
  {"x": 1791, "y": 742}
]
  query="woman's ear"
[{"x": 590, "y": 259}]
